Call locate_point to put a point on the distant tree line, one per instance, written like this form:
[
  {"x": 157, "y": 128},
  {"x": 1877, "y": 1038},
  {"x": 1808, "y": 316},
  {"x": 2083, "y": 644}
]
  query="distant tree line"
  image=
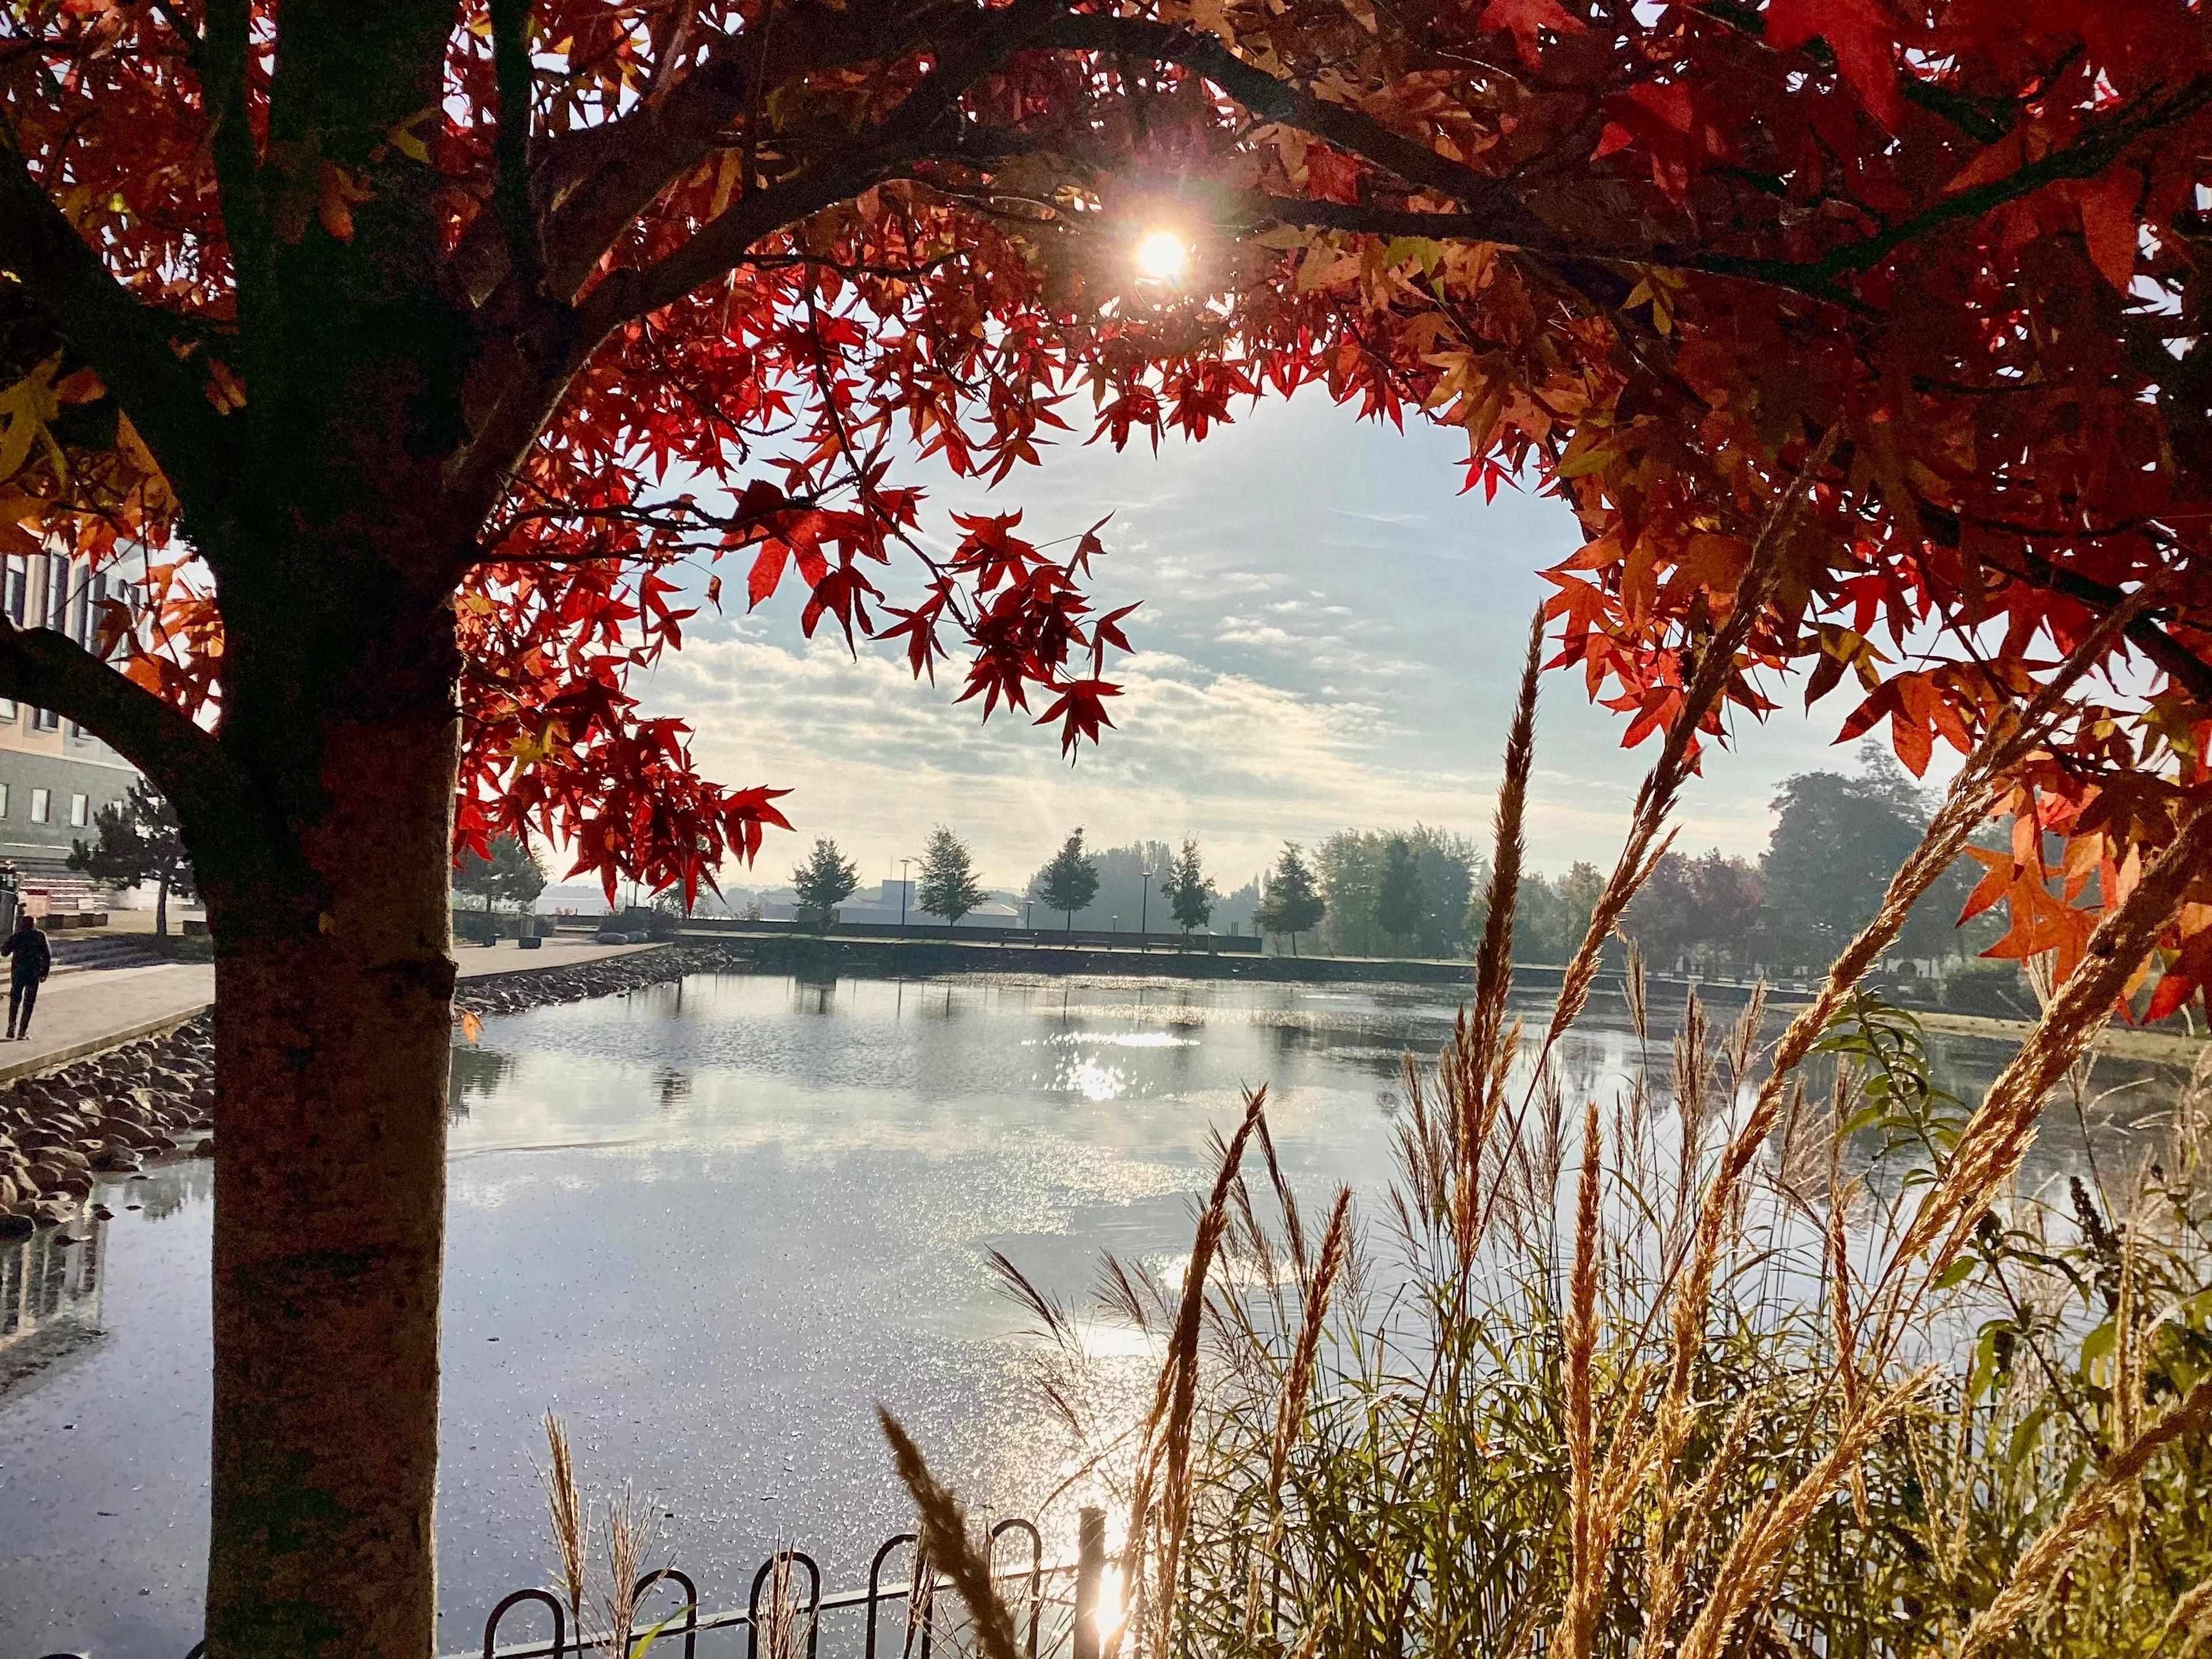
[{"x": 1419, "y": 891}]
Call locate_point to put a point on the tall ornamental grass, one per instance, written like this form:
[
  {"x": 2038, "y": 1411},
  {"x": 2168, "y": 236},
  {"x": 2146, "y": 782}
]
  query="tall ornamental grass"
[{"x": 1771, "y": 1352}]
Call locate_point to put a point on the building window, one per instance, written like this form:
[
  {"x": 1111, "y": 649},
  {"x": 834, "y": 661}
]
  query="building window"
[
  {"x": 58, "y": 586},
  {"x": 16, "y": 588},
  {"x": 79, "y": 809},
  {"x": 39, "y": 806},
  {"x": 4, "y": 800},
  {"x": 45, "y": 719},
  {"x": 7, "y": 708}
]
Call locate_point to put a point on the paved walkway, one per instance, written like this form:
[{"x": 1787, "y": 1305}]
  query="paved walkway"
[{"x": 82, "y": 1013}]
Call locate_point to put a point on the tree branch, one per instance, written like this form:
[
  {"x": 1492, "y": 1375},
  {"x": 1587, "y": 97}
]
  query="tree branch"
[
  {"x": 510, "y": 38},
  {"x": 598, "y": 178},
  {"x": 122, "y": 338},
  {"x": 220, "y": 58},
  {"x": 1490, "y": 201},
  {"x": 2183, "y": 666},
  {"x": 923, "y": 128},
  {"x": 185, "y": 763}
]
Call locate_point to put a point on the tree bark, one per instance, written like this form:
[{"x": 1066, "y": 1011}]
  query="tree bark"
[
  {"x": 334, "y": 981},
  {"x": 161, "y": 908}
]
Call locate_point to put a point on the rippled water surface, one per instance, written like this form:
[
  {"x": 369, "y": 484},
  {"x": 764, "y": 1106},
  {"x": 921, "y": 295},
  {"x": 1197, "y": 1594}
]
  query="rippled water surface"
[{"x": 713, "y": 1225}]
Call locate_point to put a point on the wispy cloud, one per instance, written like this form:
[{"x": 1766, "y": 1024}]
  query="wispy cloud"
[{"x": 1286, "y": 686}]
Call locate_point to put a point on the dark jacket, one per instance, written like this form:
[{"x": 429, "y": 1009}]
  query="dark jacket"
[{"x": 34, "y": 956}]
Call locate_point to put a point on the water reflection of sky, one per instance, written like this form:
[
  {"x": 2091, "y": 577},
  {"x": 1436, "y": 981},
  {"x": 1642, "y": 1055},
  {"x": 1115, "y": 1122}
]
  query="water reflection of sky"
[{"x": 713, "y": 1225}]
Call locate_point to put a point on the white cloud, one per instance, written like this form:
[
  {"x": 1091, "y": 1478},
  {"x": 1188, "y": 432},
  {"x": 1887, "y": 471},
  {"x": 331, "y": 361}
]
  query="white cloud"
[{"x": 1285, "y": 686}]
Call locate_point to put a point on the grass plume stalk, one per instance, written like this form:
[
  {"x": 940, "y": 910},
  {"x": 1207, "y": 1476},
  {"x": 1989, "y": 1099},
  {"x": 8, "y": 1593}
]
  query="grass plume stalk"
[{"x": 948, "y": 1546}]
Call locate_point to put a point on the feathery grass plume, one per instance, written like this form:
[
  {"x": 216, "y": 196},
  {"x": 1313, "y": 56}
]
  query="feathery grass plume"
[
  {"x": 944, "y": 1538},
  {"x": 1165, "y": 1437},
  {"x": 571, "y": 1517},
  {"x": 1587, "y": 1574},
  {"x": 1493, "y": 956},
  {"x": 1128, "y": 1293},
  {"x": 1842, "y": 1329},
  {"x": 1298, "y": 1382},
  {"x": 1181, "y": 1373},
  {"x": 1999, "y": 1134},
  {"x": 2191, "y": 1617},
  {"x": 1636, "y": 986},
  {"x": 2092, "y": 1504},
  {"x": 1051, "y": 1319},
  {"x": 1670, "y": 1557},
  {"x": 1694, "y": 1064},
  {"x": 1743, "y": 1037},
  {"x": 1754, "y": 1560},
  {"x": 1297, "y": 1385},
  {"x": 629, "y": 1534},
  {"x": 1294, "y": 1232},
  {"x": 1310, "y": 1639}
]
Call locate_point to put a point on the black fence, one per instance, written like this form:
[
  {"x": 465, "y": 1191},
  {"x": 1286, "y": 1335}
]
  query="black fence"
[{"x": 907, "y": 1610}]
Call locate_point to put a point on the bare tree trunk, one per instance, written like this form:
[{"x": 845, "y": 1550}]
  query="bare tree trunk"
[
  {"x": 161, "y": 908},
  {"x": 334, "y": 983}
]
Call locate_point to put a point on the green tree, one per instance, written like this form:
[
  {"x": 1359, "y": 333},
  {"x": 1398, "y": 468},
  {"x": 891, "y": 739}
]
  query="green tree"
[
  {"x": 949, "y": 886},
  {"x": 138, "y": 840},
  {"x": 1189, "y": 895},
  {"x": 1837, "y": 841},
  {"x": 512, "y": 875},
  {"x": 1293, "y": 903},
  {"x": 1705, "y": 908},
  {"x": 1069, "y": 882},
  {"x": 824, "y": 881},
  {"x": 1446, "y": 868},
  {"x": 1401, "y": 905}
]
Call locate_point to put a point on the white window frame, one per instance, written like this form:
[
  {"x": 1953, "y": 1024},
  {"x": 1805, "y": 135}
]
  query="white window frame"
[
  {"x": 42, "y": 806},
  {"x": 80, "y": 811}
]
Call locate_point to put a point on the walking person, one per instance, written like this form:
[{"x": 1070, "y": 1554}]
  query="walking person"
[{"x": 32, "y": 960}]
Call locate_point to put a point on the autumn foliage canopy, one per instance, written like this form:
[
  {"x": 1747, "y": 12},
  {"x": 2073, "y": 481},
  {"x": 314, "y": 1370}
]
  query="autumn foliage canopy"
[{"x": 745, "y": 262}]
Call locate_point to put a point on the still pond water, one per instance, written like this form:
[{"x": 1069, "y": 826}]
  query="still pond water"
[{"x": 713, "y": 1223}]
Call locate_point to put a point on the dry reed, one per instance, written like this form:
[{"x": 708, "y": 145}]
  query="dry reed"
[
  {"x": 571, "y": 1518},
  {"x": 947, "y": 1544},
  {"x": 1482, "y": 1095},
  {"x": 2093, "y": 1503},
  {"x": 1756, "y": 1555},
  {"x": 1298, "y": 1382},
  {"x": 629, "y": 1535},
  {"x": 1587, "y": 1574}
]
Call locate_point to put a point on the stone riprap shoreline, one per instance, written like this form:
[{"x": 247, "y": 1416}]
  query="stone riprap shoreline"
[
  {"x": 528, "y": 987},
  {"x": 111, "y": 1112},
  {"x": 106, "y": 1114}
]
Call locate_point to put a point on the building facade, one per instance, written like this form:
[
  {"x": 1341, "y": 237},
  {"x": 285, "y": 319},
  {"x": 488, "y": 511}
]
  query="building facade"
[{"x": 54, "y": 776}]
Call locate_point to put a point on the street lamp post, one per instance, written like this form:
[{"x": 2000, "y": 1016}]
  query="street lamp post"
[
  {"x": 1144, "y": 911},
  {"x": 903, "y": 885}
]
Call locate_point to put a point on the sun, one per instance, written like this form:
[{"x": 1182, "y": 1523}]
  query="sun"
[{"x": 1162, "y": 257}]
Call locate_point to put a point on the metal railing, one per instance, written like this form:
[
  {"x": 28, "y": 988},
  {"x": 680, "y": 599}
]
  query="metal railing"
[
  {"x": 1077, "y": 1635},
  {"x": 916, "y": 1592}
]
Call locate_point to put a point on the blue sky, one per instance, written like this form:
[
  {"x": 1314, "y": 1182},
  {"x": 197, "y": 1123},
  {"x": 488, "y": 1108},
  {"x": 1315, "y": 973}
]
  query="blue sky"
[{"x": 1329, "y": 639}]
